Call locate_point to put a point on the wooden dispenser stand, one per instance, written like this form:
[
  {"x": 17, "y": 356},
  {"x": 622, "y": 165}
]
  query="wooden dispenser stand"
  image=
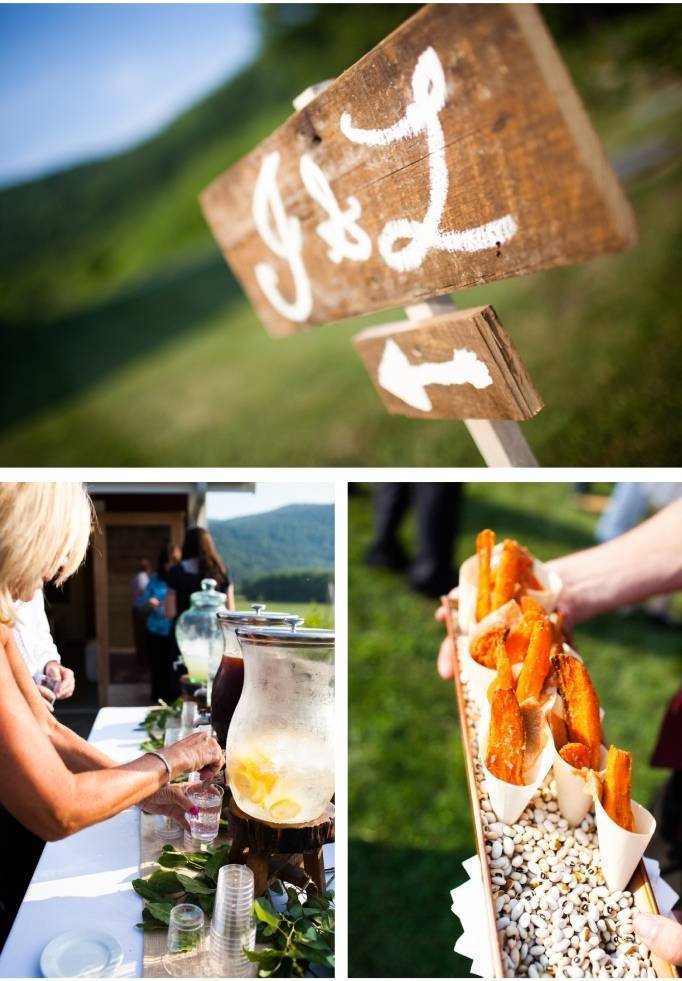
[{"x": 288, "y": 851}]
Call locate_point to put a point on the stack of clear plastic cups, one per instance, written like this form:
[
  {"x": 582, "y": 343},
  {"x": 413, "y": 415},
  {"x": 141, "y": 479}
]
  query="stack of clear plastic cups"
[{"x": 233, "y": 925}]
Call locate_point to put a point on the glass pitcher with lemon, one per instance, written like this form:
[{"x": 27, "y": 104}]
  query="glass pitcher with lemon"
[{"x": 280, "y": 744}]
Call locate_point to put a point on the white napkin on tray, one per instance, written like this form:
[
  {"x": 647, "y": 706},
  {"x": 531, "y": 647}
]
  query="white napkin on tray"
[{"x": 468, "y": 903}]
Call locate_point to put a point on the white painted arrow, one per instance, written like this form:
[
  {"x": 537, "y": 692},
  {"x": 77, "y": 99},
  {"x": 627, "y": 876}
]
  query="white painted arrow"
[{"x": 408, "y": 381}]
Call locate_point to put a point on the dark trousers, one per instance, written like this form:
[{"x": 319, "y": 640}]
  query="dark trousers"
[
  {"x": 437, "y": 509},
  {"x": 164, "y": 681},
  {"x": 27, "y": 848}
]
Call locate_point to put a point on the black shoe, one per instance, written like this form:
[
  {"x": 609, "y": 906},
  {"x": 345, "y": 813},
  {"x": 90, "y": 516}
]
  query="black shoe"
[{"x": 381, "y": 557}]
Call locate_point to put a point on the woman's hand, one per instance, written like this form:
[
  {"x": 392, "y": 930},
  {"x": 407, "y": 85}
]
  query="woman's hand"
[
  {"x": 196, "y": 752},
  {"x": 171, "y": 801},
  {"x": 661, "y": 935}
]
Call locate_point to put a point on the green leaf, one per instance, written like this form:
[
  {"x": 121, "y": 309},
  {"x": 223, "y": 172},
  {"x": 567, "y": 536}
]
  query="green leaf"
[
  {"x": 150, "y": 926},
  {"x": 143, "y": 888},
  {"x": 206, "y": 903},
  {"x": 264, "y": 911},
  {"x": 161, "y": 911},
  {"x": 165, "y": 882},
  {"x": 195, "y": 885},
  {"x": 171, "y": 860},
  {"x": 277, "y": 887},
  {"x": 216, "y": 862}
]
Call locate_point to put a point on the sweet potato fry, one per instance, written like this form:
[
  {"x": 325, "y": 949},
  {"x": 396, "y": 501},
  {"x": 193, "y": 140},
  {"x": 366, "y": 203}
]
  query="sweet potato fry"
[
  {"x": 534, "y": 732},
  {"x": 526, "y": 576},
  {"x": 536, "y": 665},
  {"x": 506, "y": 574},
  {"x": 618, "y": 788},
  {"x": 532, "y": 610},
  {"x": 506, "y": 738},
  {"x": 483, "y": 648},
  {"x": 519, "y": 637},
  {"x": 576, "y": 755},
  {"x": 581, "y": 704},
  {"x": 504, "y": 677},
  {"x": 485, "y": 541},
  {"x": 558, "y": 727}
]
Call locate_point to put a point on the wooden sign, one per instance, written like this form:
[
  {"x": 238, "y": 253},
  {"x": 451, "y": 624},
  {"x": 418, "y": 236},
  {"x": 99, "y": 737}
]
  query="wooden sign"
[
  {"x": 461, "y": 365},
  {"x": 456, "y": 152}
]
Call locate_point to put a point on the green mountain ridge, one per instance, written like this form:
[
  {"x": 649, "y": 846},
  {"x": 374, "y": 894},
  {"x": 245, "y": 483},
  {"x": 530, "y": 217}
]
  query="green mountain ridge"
[{"x": 290, "y": 538}]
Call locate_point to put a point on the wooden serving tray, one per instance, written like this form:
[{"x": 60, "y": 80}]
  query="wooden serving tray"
[{"x": 639, "y": 885}]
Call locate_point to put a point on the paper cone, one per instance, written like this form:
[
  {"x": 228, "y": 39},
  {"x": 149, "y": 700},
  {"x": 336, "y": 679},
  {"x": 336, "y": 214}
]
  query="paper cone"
[
  {"x": 573, "y": 792},
  {"x": 509, "y": 800},
  {"x": 621, "y": 850},
  {"x": 479, "y": 677},
  {"x": 468, "y": 587}
]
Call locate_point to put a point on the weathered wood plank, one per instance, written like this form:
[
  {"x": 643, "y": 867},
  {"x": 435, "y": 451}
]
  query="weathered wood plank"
[
  {"x": 461, "y": 365},
  {"x": 495, "y": 171}
]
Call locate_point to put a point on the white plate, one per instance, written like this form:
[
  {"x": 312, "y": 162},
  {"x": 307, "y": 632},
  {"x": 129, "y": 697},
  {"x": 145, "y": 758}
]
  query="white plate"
[{"x": 81, "y": 954}]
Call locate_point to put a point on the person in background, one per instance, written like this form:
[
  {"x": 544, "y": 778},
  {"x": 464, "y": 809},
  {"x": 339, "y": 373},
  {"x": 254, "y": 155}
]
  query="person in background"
[
  {"x": 200, "y": 560},
  {"x": 437, "y": 507},
  {"x": 137, "y": 586},
  {"x": 645, "y": 561},
  {"x": 152, "y": 603},
  {"x": 36, "y": 646}
]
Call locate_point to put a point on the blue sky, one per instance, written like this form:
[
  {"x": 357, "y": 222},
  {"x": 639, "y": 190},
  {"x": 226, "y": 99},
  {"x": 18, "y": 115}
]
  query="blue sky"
[
  {"x": 267, "y": 497},
  {"x": 83, "y": 80}
]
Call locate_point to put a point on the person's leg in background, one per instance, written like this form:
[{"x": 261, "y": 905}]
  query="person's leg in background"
[
  {"x": 437, "y": 510},
  {"x": 391, "y": 501}
]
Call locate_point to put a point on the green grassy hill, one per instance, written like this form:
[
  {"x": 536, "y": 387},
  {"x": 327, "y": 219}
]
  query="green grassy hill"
[
  {"x": 298, "y": 536},
  {"x": 126, "y": 340}
]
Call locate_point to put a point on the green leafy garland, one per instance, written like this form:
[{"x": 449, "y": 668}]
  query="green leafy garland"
[
  {"x": 289, "y": 941},
  {"x": 155, "y": 723}
]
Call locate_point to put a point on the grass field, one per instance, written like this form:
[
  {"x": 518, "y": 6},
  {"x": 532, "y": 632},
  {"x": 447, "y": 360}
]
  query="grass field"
[
  {"x": 409, "y": 818},
  {"x": 148, "y": 354}
]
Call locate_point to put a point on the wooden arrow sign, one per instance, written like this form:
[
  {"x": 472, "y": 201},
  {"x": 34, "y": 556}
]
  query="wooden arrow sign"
[
  {"x": 456, "y": 152},
  {"x": 461, "y": 365}
]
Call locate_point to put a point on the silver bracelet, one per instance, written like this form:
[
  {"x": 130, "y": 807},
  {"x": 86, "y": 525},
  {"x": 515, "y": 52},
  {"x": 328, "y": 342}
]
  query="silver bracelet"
[{"x": 155, "y": 752}]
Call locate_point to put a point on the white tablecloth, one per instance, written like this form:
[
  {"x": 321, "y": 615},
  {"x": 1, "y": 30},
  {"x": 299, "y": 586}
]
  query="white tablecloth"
[{"x": 84, "y": 880}]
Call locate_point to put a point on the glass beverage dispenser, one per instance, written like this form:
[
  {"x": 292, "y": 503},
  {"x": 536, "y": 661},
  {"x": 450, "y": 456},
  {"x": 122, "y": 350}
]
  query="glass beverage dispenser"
[
  {"x": 229, "y": 679},
  {"x": 280, "y": 746},
  {"x": 197, "y": 631}
]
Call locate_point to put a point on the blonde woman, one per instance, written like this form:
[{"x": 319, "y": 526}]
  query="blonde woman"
[{"x": 52, "y": 782}]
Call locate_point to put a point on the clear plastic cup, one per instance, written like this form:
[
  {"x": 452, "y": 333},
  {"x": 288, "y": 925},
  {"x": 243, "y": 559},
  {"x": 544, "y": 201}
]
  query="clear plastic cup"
[
  {"x": 208, "y": 798},
  {"x": 166, "y": 828},
  {"x": 185, "y": 941}
]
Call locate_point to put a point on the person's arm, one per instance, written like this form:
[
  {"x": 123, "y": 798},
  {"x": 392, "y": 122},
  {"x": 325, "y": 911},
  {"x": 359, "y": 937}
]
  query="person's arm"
[
  {"x": 41, "y": 792},
  {"x": 230, "y": 597},
  {"x": 644, "y": 562}
]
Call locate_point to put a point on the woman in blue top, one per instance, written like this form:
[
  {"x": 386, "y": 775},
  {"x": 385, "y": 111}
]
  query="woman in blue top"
[{"x": 158, "y": 626}]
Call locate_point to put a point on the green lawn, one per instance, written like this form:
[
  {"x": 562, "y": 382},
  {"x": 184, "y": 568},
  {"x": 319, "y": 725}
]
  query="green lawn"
[
  {"x": 155, "y": 358},
  {"x": 408, "y": 809},
  {"x": 314, "y": 614}
]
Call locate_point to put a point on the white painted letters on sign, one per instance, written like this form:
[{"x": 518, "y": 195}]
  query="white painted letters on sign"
[
  {"x": 408, "y": 381},
  {"x": 341, "y": 230},
  {"x": 285, "y": 240},
  {"x": 421, "y": 116},
  {"x": 345, "y": 238}
]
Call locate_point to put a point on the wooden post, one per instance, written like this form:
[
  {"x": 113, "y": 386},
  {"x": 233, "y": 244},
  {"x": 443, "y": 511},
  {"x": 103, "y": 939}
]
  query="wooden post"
[{"x": 500, "y": 442}]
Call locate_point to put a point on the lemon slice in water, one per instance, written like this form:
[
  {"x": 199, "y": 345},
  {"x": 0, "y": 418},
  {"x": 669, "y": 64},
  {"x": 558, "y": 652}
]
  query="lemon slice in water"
[{"x": 284, "y": 809}]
